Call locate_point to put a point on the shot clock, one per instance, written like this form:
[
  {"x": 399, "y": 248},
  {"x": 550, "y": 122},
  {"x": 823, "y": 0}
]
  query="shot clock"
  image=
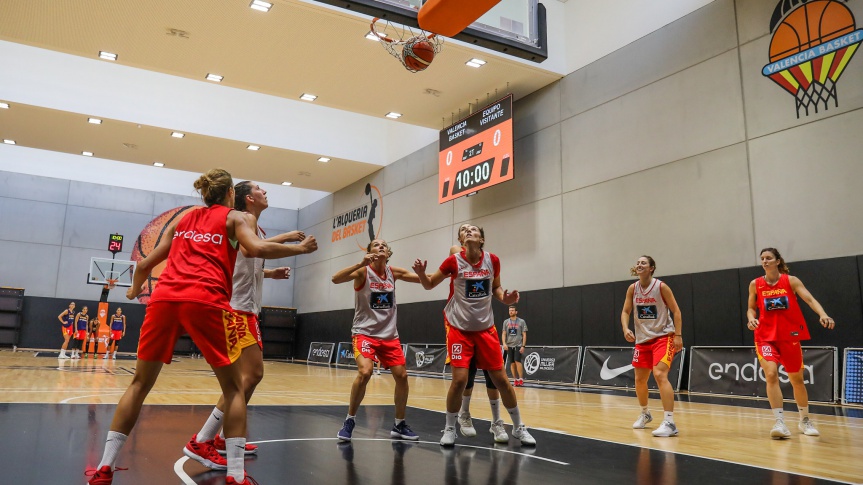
[
  {"x": 484, "y": 141},
  {"x": 115, "y": 243}
]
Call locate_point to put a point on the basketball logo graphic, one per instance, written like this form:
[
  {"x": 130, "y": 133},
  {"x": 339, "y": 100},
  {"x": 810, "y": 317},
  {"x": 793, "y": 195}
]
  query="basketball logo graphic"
[
  {"x": 531, "y": 363},
  {"x": 812, "y": 43},
  {"x": 149, "y": 239}
]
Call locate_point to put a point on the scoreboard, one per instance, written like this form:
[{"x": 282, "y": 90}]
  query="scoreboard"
[
  {"x": 476, "y": 152},
  {"x": 115, "y": 243}
]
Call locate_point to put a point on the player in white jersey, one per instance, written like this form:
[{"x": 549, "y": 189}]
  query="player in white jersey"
[
  {"x": 657, "y": 338},
  {"x": 474, "y": 278},
  {"x": 374, "y": 333},
  {"x": 249, "y": 273}
]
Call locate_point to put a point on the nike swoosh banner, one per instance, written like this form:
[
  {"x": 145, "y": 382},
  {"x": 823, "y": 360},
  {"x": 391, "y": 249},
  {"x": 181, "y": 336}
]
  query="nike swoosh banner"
[
  {"x": 612, "y": 367},
  {"x": 736, "y": 371},
  {"x": 321, "y": 352}
]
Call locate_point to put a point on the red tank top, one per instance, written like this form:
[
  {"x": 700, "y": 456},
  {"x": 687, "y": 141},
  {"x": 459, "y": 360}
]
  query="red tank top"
[
  {"x": 200, "y": 265},
  {"x": 779, "y": 317}
]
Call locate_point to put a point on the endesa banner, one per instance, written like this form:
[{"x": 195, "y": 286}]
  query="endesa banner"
[
  {"x": 612, "y": 366},
  {"x": 736, "y": 371},
  {"x": 426, "y": 358},
  {"x": 552, "y": 364},
  {"x": 321, "y": 352}
]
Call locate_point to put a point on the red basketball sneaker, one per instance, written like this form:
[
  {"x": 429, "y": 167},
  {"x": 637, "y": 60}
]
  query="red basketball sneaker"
[
  {"x": 219, "y": 443},
  {"x": 205, "y": 453},
  {"x": 101, "y": 476},
  {"x": 247, "y": 480}
]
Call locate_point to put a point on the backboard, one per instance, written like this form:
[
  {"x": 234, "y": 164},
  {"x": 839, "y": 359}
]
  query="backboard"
[{"x": 104, "y": 269}]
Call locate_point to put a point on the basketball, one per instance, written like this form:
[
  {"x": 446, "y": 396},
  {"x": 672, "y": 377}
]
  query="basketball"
[
  {"x": 810, "y": 25},
  {"x": 418, "y": 54},
  {"x": 149, "y": 239}
]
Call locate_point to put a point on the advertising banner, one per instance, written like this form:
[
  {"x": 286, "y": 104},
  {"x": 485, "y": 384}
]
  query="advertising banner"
[
  {"x": 425, "y": 358},
  {"x": 612, "y": 366},
  {"x": 736, "y": 371},
  {"x": 321, "y": 352},
  {"x": 552, "y": 364},
  {"x": 852, "y": 386}
]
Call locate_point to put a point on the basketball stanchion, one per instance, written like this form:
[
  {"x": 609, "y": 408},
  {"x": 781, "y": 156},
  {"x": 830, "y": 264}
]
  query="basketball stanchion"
[{"x": 414, "y": 48}]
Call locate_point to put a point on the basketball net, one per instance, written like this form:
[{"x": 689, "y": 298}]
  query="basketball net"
[
  {"x": 394, "y": 38},
  {"x": 111, "y": 283}
]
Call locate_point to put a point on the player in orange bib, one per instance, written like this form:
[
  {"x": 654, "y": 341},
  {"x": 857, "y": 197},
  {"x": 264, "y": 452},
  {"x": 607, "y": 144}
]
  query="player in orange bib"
[
  {"x": 775, "y": 317},
  {"x": 193, "y": 296}
]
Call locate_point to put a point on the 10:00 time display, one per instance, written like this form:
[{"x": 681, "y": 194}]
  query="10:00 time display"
[{"x": 472, "y": 177}]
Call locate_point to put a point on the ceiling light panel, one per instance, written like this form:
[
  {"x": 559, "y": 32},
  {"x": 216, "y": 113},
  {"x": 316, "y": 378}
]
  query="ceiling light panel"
[
  {"x": 261, "y": 5},
  {"x": 287, "y": 184},
  {"x": 9, "y": 142},
  {"x": 108, "y": 56},
  {"x": 393, "y": 115},
  {"x": 94, "y": 121},
  {"x": 253, "y": 148},
  {"x": 308, "y": 97},
  {"x": 323, "y": 159},
  {"x": 4, "y": 105},
  {"x": 215, "y": 77},
  {"x": 158, "y": 164},
  {"x": 87, "y": 154},
  {"x": 177, "y": 134}
]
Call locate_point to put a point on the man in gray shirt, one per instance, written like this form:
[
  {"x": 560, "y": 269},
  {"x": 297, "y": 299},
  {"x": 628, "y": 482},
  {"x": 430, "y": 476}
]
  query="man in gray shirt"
[{"x": 514, "y": 337}]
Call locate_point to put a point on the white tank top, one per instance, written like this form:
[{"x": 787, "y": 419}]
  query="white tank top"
[
  {"x": 469, "y": 306},
  {"x": 248, "y": 283},
  {"x": 652, "y": 318},
  {"x": 375, "y": 306}
]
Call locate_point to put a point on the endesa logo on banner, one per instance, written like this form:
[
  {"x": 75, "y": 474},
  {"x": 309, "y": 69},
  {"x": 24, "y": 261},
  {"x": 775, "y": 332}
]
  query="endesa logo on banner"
[
  {"x": 321, "y": 352},
  {"x": 736, "y": 371}
]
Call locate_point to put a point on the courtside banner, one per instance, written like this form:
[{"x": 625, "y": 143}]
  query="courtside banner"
[
  {"x": 736, "y": 371},
  {"x": 552, "y": 364},
  {"x": 426, "y": 358},
  {"x": 345, "y": 354},
  {"x": 852, "y": 385},
  {"x": 321, "y": 352},
  {"x": 612, "y": 367}
]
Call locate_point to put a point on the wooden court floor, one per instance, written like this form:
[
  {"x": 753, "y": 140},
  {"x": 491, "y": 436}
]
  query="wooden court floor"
[{"x": 718, "y": 430}]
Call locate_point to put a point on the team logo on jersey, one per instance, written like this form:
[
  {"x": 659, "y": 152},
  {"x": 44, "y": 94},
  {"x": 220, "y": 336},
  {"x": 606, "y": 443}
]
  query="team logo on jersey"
[
  {"x": 455, "y": 352},
  {"x": 778, "y": 303},
  {"x": 766, "y": 351},
  {"x": 477, "y": 288},
  {"x": 647, "y": 312},
  {"x": 382, "y": 300}
]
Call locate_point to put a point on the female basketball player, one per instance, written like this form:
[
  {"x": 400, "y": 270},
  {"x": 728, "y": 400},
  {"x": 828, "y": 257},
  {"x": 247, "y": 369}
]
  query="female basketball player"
[
  {"x": 118, "y": 331},
  {"x": 67, "y": 318},
  {"x": 657, "y": 338},
  {"x": 248, "y": 283},
  {"x": 81, "y": 329},
  {"x": 193, "y": 295},
  {"x": 474, "y": 278},
  {"x": 775, "y": 317},
  {"x": 374, "y": 334}
]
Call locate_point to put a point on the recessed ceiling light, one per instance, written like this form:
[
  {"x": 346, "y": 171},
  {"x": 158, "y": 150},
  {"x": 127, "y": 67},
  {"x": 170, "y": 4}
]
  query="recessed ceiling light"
[
  {"x": 87, "y": 154},
  {"x": 9, "y": 142},
  {"x": 475, "y": 63},
  {"x": 108, "y": 56},
  {"x": 324, "y": 159},
  {"x": 4, "y": 105},
  {"x": 158, "y": 164},
  {"x": 394, "y": 115},
  {"x": 177, "y": 134},
  {"x": 253, "y": 148},
  {"x": 308, "y": 97},
  {"x": 260, "y": 5},
  {"x": 287, "y": 184},
  {"x": 94, "y": 121},
  {"x": 215, "y": 78},
  {"x": 373, "y": 36}
]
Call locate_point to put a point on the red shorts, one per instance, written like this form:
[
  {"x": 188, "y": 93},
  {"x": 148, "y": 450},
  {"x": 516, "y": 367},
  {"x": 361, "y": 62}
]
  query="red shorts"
[
  {"x": 783, "y": 352},
  {"x": 250, "y": 321},
  {"x": 116, "y": 334},
  {"x": 80, "y": 335},
  {"x": 483, "y": 347},
  {"x": 388, "y": 352},
  {"x": 68, "y": 330},
  {"x": 649, "y": 354},
  {"x": 215, "y": 332}
]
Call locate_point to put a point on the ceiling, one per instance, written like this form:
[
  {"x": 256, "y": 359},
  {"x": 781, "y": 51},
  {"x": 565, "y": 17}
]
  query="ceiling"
[{"x": 297, "y": 47}]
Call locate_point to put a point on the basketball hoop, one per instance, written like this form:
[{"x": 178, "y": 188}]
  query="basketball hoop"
[
  {"x": 414, "y": 48},
  {"x": 111, "y": 283}
]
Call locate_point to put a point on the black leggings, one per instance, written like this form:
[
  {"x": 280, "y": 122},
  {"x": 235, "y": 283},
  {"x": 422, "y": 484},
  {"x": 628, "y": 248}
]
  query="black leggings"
[{"x": 471, "y": 376}]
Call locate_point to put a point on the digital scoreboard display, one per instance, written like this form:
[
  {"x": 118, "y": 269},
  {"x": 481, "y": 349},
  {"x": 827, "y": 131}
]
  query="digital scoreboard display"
[
  {"x": 476, "y": 152},
  {"x": 115, "y": 243}
]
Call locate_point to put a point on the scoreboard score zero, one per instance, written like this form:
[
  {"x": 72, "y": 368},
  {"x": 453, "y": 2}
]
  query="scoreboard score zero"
[{"x": 476, "y": 152}]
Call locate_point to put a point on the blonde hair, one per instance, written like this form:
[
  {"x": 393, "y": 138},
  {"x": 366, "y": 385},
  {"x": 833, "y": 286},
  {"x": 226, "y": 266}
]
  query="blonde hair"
[
  {"x": 650, "y": 260},
  {"x": 782, "y": 267},
  {"x": 389, "y": 250},
  {"x": 214, "y": 186}
]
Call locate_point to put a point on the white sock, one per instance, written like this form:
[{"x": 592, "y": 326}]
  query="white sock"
[
  {"x": 398, "y": 421},
  {"x": 669, "y": 416},
  {"x": 465, "y": 405},
  {"x": 804, "y": 412},
  {"x": 450, "y": 419},
  {"x": 236, "y": 448},
  {"x": 644, "y": 410},
  {"x": 778, "y": 414},
  {"x": 222, "y": 434},
  {"x": 113, "y": 443},
  {"x": 515, "y": 415},
  {"x": 214, "y": 422},
  {"x": 495, "y": 410},
  {"x": 62, "y": 352},
  {"x": 351, "y": 417}
]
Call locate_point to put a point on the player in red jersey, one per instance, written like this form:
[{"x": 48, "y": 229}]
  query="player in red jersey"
[
  {"x": 775, "y": 317},
  {"x": 67, "y": 319},
  {"x": 193, "y": 295},
  {"x": 474, "y": 278}
]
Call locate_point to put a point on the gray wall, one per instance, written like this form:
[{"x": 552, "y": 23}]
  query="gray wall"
[
  {"x": 674, "y": 146},
  {"x": 50, "y": 228}
]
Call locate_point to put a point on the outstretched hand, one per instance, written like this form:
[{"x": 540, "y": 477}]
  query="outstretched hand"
[
  {"x": 133, "y": 293},
  {"x": 509, "y": 298},
  {"x": 419, "y": 266},
  {"x": 309, "y": 244},
  {"x": 295, "y": 236},
  {"x": 827, "y": 322},
  {"x": 281, "y": 273}
]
